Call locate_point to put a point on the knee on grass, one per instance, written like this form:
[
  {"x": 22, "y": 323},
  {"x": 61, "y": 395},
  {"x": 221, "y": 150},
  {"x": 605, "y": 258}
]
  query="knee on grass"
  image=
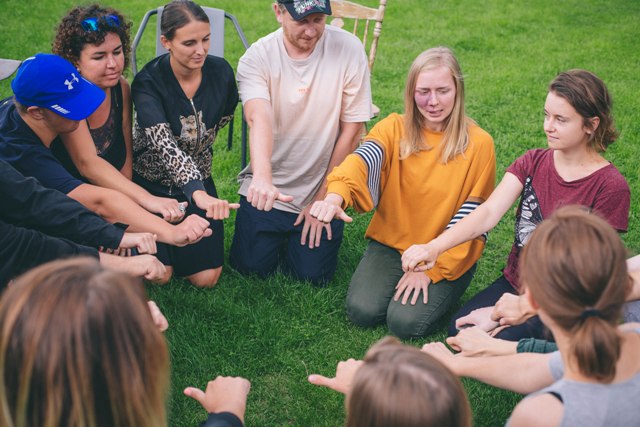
[
  {"x": 317, "y": 278},
  {"x": 364, "y": 314},
  {"x": 406, "y": 328},
  {"x": 206, "y": 278}
]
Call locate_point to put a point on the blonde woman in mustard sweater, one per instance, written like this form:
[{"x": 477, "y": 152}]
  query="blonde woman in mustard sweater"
[{"x": 422, "y": 172}]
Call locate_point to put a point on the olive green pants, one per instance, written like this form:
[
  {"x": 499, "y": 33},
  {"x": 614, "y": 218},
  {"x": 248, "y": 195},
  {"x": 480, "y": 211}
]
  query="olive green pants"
[{"x": 370, "y": 296}]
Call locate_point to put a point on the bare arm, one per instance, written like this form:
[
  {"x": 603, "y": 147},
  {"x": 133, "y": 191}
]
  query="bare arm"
[
  {"x": 348, "y": 139},
  {"x": 523, "y": 372},
  {"x": 481, "y": 220},
  {"x": 80, "y": 146},
  {"x": 635, "y": 289},
  {"x": 116, "y": 207},
  {"x": 262, "y": 193},
  {"x": 127, "y": 168}
]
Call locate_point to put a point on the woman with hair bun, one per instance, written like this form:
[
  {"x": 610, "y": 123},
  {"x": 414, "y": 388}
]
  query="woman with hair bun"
[
  {"x": 574, "y": 267},
  {"x": 578, "y": 122}
]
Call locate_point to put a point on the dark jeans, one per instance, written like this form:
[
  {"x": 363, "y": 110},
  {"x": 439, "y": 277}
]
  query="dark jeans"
[
  {"x": 532, "y": 328},
  {"x": 370, "y": 297},
  {"x": 265, "y": 240}
]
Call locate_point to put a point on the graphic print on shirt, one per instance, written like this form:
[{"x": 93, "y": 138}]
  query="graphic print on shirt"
[
  {"x": 529, "y": 214},
  {"x": 192, "y": 128}
]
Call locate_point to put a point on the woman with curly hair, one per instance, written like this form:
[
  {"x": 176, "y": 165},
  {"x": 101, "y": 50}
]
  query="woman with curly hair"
[{"x": 96, "y": 40}]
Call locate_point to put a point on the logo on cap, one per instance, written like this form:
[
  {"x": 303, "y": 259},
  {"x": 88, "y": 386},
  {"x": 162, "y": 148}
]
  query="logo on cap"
[
  {"x": 70, "y": 83},
  {"x": 304, "y": 5}
]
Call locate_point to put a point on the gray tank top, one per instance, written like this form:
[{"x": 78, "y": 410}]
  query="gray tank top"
[{"x": 594, "y": 405}]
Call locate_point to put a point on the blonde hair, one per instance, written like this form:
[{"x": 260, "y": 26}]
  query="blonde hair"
[
  {"x": 400, "y": 386},
  {"x": 79, "y": 348},
  {"x": 575, "y": 268},
  {"x": 456, "y": 133}
]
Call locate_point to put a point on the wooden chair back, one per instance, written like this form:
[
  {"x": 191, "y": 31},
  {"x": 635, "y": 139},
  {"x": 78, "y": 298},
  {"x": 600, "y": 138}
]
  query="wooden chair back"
[{"x": 367, "y": 23}]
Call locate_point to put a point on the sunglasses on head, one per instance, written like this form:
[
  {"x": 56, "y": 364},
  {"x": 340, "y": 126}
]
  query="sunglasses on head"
[{"x": 91, "y": 24}]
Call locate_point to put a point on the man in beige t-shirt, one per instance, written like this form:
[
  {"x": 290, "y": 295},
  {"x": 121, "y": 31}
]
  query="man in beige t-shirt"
[{"x": 306, "y": 94}]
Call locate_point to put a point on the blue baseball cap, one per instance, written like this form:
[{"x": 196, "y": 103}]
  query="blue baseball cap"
[{"x": 52, "y": 82}]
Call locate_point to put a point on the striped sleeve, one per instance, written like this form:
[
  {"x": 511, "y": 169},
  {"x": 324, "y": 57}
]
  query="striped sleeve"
[
  {"x": 466, "y": 208},
  {"x": 372, "y": 155}
]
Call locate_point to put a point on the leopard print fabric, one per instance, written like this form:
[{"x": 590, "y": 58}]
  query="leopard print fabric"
[{"x": 171, "y": 160}]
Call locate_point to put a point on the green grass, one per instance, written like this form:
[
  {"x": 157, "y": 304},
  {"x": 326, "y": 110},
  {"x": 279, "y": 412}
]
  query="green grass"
[{"x": 276, "y": 331}]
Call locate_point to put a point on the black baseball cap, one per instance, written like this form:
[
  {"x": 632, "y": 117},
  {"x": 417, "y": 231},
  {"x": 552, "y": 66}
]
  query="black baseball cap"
[{"x": 298, "y": 9}]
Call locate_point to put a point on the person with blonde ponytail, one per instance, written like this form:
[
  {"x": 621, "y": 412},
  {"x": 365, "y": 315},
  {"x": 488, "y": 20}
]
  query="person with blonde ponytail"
[
  {"x": 421, "y": 171},
  {"x": 575, "y": 270}
]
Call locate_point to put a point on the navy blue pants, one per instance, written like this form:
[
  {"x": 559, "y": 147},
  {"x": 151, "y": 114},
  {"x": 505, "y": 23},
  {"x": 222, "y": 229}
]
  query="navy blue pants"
[
  {"x": 263, "y": 241},
  {"x": 532, "y": 328}
]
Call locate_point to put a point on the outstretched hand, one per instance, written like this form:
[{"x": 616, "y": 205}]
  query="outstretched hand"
[
  {"x": 311, "y": 228},
  {"x": 480, "y": 317},
  {"x": 512, "y": 309},
  {"x": 158, "y": 318},
  {"x": 415, "y": 282},
  {"x": 145, "y": 243},
  {"x": 262, "y": 194},
  {"x": 419, "y": 257},
  {"x": 170, "y": 209},
  {"x": 440, "y": 352},
  {"x": 191, "y": 230},
  {"x": 214, "y": 208},
  {"x": 224, "y": 394},
  {"x": 342, "y": 382},
  {"x": 329, "y": 209},
  {"x": 476, "y": 342}
]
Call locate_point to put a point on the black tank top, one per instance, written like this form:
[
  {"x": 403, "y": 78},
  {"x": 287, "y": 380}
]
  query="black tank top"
[{"x": 108, "y": 138}]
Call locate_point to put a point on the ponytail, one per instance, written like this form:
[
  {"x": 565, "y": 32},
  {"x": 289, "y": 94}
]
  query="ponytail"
[
  {"x": 596, "y": 347},
  {"x": 575, "y": 268}
]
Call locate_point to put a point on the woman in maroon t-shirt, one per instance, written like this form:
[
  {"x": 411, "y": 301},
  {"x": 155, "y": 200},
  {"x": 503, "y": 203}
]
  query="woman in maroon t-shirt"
[{"x": 572, "y": 171}]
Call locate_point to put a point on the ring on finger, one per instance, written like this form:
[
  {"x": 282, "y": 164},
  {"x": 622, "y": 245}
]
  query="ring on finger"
[{"x": 182, "y": 208}]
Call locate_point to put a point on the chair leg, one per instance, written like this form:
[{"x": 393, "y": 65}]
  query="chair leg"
[{"x": 230, "y": 136}]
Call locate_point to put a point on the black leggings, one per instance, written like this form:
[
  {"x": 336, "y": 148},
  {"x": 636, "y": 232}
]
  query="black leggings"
[{"x": 532, "y": 328}]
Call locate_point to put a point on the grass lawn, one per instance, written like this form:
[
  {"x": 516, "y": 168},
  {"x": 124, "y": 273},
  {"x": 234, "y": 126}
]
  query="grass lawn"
[{"x": 277, "y": 331}]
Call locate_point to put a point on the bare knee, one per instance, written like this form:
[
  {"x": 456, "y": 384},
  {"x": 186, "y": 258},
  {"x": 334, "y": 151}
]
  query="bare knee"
[{"x": 206, "y": 278}]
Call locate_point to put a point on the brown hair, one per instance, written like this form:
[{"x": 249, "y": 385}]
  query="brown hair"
[
  {"x": 71, "y": 37},
  {"x": 401, "y": 386},
  {"x": 179, "y": 13},
  {"x": 456, "y": 135},
  {"x": 590, "y": 98},
  {"x": 575, "y": 268},
  {"x": 79, "y": 348}
]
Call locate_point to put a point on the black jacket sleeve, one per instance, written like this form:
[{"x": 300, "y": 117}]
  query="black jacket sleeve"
[
  {"x": 22, "y": 249},
  {"x": 222, "y": 419},
  {"x": 28, "y": 204}
]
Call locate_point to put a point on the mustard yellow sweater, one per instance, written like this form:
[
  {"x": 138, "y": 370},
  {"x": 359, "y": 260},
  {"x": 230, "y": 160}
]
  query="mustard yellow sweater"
[{"x": 416, "y": 198}]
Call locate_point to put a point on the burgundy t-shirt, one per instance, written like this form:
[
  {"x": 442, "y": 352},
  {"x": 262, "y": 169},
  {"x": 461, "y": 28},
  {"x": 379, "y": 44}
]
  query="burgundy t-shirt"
[{"x": 605, "y": 191}]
